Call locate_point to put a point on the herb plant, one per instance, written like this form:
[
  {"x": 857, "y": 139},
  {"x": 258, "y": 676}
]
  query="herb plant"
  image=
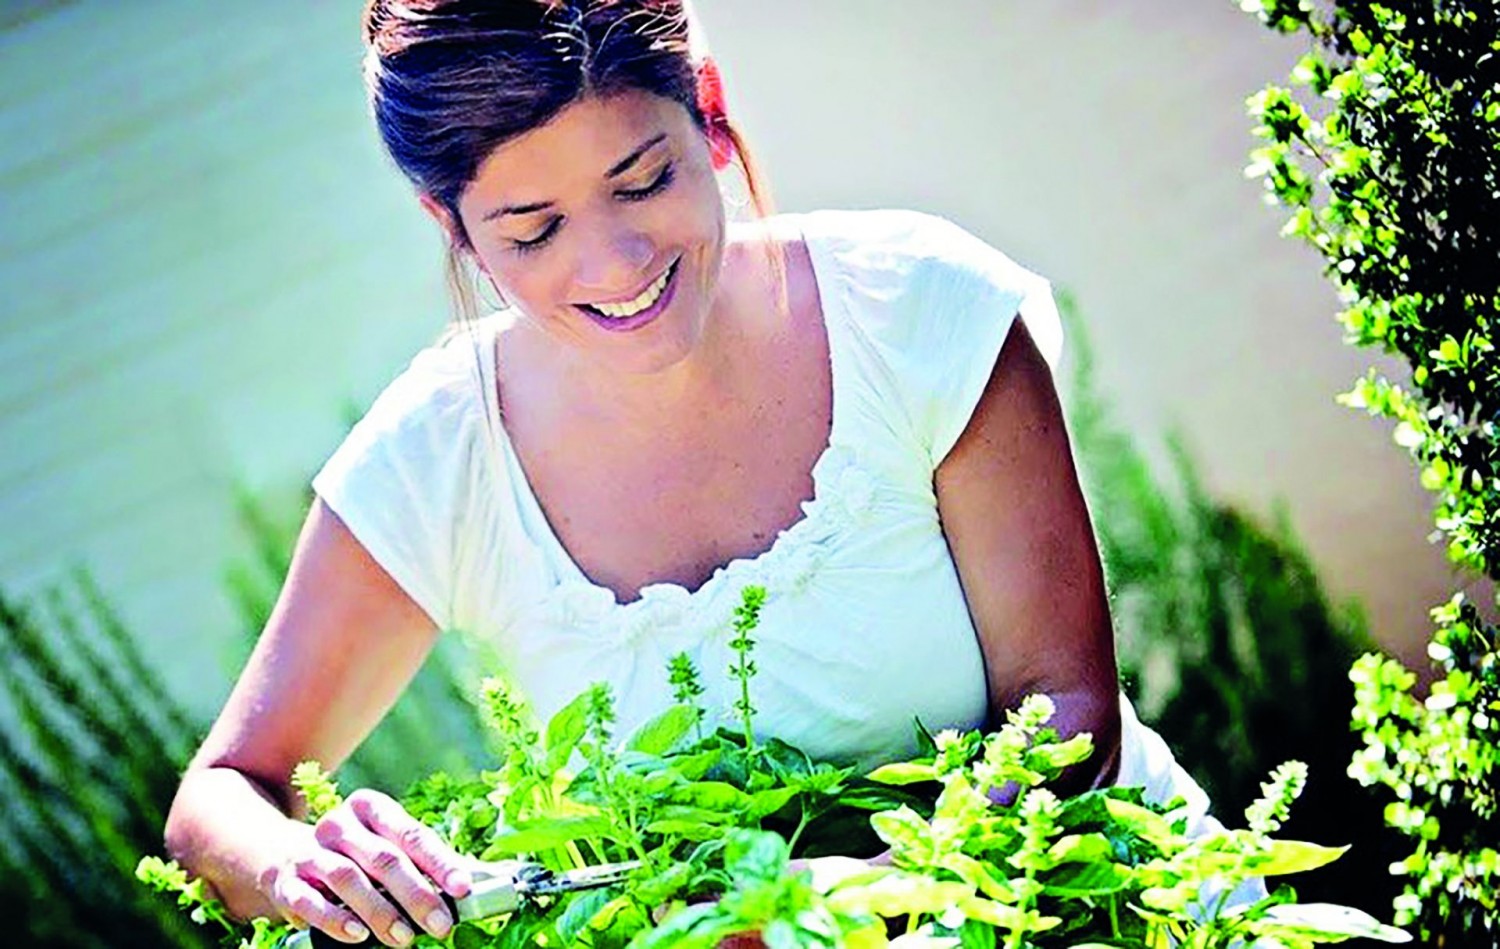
[
  {"x": 1390, "y": 166},
  {"x": 717, "y": 820}
]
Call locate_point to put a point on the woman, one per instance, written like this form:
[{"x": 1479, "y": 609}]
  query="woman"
[{"x": 842, "y": 407}]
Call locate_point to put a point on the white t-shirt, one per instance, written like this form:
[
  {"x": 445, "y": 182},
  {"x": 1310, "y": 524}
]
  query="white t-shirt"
[{"x": 865, "y": 626}]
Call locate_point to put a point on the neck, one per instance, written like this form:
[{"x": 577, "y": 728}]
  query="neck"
[{"x": 697, "y": 386}]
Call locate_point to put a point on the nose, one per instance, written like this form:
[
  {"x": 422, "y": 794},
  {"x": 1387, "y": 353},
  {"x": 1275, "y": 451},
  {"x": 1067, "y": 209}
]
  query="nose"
[{"x": 614, "y": 261}]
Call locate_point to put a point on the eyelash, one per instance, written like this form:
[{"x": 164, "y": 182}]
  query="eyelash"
[{"x": 658, "y": 185}]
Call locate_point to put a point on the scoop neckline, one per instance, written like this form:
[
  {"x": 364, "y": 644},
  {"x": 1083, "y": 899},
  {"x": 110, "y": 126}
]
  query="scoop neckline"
[{"x": 502, "y": 452}]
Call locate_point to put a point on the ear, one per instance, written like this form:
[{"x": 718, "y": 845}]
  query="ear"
[
  {"x": 715, "y": 115},
  {"x": 438, "y": 213}
]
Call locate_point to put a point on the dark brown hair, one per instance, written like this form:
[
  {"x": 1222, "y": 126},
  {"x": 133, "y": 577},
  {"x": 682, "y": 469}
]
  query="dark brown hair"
[{"x": 448, "y": 81}]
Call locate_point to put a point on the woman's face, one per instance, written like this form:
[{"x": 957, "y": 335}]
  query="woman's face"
[{"x": 606, "y": 228}]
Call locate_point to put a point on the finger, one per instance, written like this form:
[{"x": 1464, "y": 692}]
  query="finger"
[
  {"x": 304, "y": 905},
  {"x": 431, "y": 854},
  {"x": 387, "y": 864},
  {"x": 348, "y": 882}
]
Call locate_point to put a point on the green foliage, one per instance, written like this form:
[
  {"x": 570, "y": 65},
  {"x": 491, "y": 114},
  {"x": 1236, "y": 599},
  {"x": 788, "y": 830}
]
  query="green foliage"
[
  {"x": 90, "y": 753},
  {"x": 1392, "y": 172},
  {"x": 92, "y": 748},
  {"x": 746, "y": 616},
  {"x": 707, "y": 823},
  {"x": 1227, "y": 642},
  {"x": 319, "y": 791}
]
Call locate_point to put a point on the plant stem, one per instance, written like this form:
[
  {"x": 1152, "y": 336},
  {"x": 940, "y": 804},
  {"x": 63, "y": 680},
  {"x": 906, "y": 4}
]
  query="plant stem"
[
  {"x": 791, "y": 844},
  {"x": 575, "y": 855}
]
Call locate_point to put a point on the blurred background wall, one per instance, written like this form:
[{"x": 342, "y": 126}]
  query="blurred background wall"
[{"x": 205, "y": 256}]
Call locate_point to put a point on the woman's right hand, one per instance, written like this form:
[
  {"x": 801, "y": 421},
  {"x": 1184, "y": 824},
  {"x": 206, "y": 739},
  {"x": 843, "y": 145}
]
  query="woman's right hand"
[{"x": 368, "y": 868}]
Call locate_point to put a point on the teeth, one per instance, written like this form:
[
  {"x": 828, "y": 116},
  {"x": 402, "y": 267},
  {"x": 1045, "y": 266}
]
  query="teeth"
[{"x": 619, "y": 311}]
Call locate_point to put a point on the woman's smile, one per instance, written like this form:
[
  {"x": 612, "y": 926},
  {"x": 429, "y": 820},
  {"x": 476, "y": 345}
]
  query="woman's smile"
[{"x": 639, "y": 310}]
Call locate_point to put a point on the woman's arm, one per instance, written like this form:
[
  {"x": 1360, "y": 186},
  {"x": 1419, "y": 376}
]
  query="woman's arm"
[
  {"x": 1019, "y": 530},
  {"x": 342, "y": 643}
]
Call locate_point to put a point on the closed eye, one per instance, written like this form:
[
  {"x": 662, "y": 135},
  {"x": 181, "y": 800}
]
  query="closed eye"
[
  {"x": 541, "y": 239},
  {"x": 660, "y": 183}
]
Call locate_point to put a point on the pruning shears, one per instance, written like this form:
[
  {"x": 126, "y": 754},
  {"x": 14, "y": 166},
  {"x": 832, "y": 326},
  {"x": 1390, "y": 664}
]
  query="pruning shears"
[{"x": 503, "y": 889}]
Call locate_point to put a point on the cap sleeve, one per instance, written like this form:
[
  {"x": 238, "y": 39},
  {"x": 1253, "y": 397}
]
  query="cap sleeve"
[
  {"x": 931, "y": 305},
  {"x": 973, "y": 296},
  {"x": 402, "y": 477}
]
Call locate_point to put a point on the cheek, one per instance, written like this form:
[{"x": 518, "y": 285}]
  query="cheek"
[
  {"x": 700, "y": 204},
  {"x": 534, "y": 282}
]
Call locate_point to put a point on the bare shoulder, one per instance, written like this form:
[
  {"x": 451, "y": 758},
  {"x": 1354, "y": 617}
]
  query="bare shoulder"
[{"x": 771, "y": 257}]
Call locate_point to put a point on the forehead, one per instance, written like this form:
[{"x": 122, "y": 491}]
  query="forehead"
[{"x": 577, "y": 148}]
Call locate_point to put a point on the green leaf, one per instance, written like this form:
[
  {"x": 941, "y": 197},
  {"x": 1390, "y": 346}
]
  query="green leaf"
[
  {"x": 711, "y": 795},
  {"x": 834, "y": 871},
  {"x": 976, "y": 935},
  {"x": 975, "y": 873},
  {"x": 1145, "y": 823},
  {"x": 469, "y": 936},
  {"x": 904, "y": 772},
  {"x": 1326, "y": 920},
  {"x": 664, "y": 886},
  {"x": 687, "y": 829},
  {"x": 900, "y": 894},
  {"x": 658, "y": 783},
  {"x": 544, "y": 835},
  {"x": 659, "y": 735},
  {"x": 701, "y": 815},
  {"x": 756, "y": 855},
  {"x": 1060, "y": 755},
  {"x": 614, "y": 926},
  {"x": 1087, "y": 879},
  {"x": 691, "y": 926},
  {"x": 565, "y": 730},
  {"x": 902, "y": 827},
  {"x": 1081, "y": 848},
  {"x": 696, "y": 765},
  {"x": 1296, "y": 856},
  {"x": 782, "y": 934},
  {"x": 582, "y": 908},
  {"x": 1006, "y": 917},
  {"x": 766, "y": 803}
]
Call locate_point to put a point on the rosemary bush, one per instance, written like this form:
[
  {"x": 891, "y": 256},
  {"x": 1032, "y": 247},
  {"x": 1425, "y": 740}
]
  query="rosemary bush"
[
  {"x": 89, "y": 758},
  {"x": 92, "y": 748},
  {"x": 1388, "y": 157}
]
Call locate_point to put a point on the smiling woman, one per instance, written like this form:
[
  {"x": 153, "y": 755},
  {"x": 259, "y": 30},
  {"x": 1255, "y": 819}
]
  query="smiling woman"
[
  {"x": 584, "y": 222},
  {"x": 852, "y": 410}
]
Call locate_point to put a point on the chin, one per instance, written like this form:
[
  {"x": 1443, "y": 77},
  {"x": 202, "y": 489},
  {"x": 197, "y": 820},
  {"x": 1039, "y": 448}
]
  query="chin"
[{"x": 663, "y": 352}]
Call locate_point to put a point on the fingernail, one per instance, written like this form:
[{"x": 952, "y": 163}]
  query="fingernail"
[
  {"x": 401, "y": 933},
  {"x": 439, "y": 922},
  {"x": 356, "y": 930},
  {"x": 458, "y": 883}
]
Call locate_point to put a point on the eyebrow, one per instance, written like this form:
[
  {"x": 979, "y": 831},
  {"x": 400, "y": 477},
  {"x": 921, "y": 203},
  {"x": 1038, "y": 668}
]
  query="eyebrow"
[{"x": 615, "y": 171}]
